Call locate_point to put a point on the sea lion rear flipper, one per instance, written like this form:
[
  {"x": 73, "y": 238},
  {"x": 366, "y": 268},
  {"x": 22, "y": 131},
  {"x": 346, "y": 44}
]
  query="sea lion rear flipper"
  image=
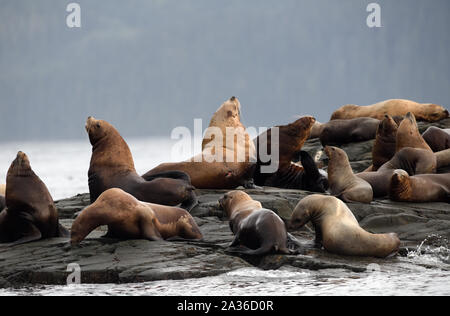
[{"x": 32, "y": 234}]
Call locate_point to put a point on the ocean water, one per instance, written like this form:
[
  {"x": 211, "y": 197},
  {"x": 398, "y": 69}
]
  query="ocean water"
[{"x": 63, "y": 166}]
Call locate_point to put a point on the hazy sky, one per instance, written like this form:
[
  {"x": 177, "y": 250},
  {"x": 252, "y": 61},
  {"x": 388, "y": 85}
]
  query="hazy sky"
[{"x": 148, "y": 66}]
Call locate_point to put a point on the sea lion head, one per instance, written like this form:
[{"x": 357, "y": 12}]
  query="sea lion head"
[
  {"x": 400, "y": 186},
  {"x": 20, "y": 166},
  {"x": 230, "y": 110},
  {"x": 96, "y": 129},
  {"x": 231, "y": 199},
  {"x": 433, "y": 112},
  {"x": 301, "y": 127},
  {"x": 302, "y": 213},
  {"x": 333, "y": 152},
  {"x": 388, "y": 127}
]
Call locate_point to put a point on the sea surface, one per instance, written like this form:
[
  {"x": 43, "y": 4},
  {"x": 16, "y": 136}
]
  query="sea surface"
[{"x": 63, "y": 166}]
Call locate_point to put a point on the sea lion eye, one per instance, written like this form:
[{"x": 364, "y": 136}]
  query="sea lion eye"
[{"x": 98, "y": 125}]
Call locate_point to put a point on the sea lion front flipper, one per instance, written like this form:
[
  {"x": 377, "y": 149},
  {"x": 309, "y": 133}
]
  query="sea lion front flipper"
[
  {"x": 32, "y": 234},
  {"x": 264, "y": 249},
  {"x": 191, "y": 201}
]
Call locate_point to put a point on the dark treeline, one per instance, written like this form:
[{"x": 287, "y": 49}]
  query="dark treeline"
[{"x": 149, "y": 66}]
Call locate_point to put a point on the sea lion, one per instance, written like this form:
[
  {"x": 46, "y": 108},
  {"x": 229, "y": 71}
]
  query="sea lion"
[
  {"x": 385, "y": 142},
  {"x": 222, "y": 164},
  {"x": 412, "y": 160},
  {"x": 2, "y": 202},
  {"x": 437, "y": 138},
  {"x": 338, "y": 231},
  {"x": 112, "y": 166},
  {"x": 30, "y": 213},
  {"x": 348, "y": 131},
  {"x": 2, "y": 189},
  {"x": 408, "y": 134},
  {"x": 257, "y": 231},
  {"x": 291, "y": 139},
  {"x": 395, "y": 107},
  {"x": 420, "y": 188},
  {"x": 343, "y": 183},
  {"x": 128, "y": 218}
]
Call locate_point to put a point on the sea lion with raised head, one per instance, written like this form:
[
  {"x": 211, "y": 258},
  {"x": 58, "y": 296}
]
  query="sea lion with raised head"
[
  {"x": 289, "y": 142},
  {"x": 385, "y": 142},
  {"x": 112, "y": 166},
  {"x": 257, "y": 231},
  {"x": 395, "y": 107},
  {"x": 408, "y": 134},
  {"x": 343, "y": 183},
  {"x": 338, "y": 231},
  {"x": 421, "y": 188},
  {"x": 349, "y": 131},
  {"x": 437, "y": 138},
  {"x": 222, "y": 164},
  {"x": 30, "y": 213},
  {"x": 128, "y": 218}
]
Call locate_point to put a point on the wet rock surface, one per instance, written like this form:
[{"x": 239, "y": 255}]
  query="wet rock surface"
[{"x": 105, "y": 260}]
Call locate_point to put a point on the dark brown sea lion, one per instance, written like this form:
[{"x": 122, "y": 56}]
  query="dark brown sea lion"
[
  {"x": 420, "y": 188},
  {"x": 349, "y": 131},
  {"x": 338, "y": 231},
  {"x": 385, "y": 142},
  {"x": 2, "y": 202},
  {"x": 437, "y": 138},
  {"x": 128, "y": 218},
  {"x": 291, "y": 139},
  {"x": 112, "y": 166},
  {"x": 408, "y": 134},
  {"x": 343, "y": 183},
  {"x": 257, "y": 231},
  {"x": 222, "y": 164},
  {"x": 396, "y": 107},
  {"x": 316, "y": 130},
  {"x": 30, "y": 213}
]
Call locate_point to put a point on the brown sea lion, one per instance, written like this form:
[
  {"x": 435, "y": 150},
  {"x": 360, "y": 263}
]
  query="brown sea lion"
[
  {"x": 2, "y": 202},
  {"x": 385, "y": 144},
  {"x": 257, "y": 231},
  {"x": 412, "y": 160},
  {"x": 222, "y": 164},
  {"x": 289, "y": 142},
  {"x": 128, "y": 218},
  {"x": 349, "y": 131},
  {"x": 408, "y": 134},
  {"x": 437, "y": 138},
  {"x": 112, "y": 166},
  {"x": 420, "y": 188},
  {"x": 338, "y": 231},
  {"x": 30, "y": 213},
  {"x": 396, "y": 107},
  {"x": 343, "y": 183},
  {"x": 442, "y": 158}
]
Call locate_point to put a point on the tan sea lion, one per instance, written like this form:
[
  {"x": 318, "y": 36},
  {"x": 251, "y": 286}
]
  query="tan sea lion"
[
  {"x": 349, "y": 131},
  {"x": 30, "y": 213},
  {"x": 128, "y": 218},
  {"x": 385, "y": 144},
  {"x": 257, "y": 231},
  {"x": 221, "y": 165},
  {"x": 112, "y": 166},
  {"x": 408, "y": 134},
  {"x": 343, "y": 183},
  {"x": 316, "y": 130},
  {"x": 420, "y": 188},
  {"x": 395, "y": 107},
  {"x": 437, "y": 138},
  {"x": 2, "y": 189},
  {"x": 338, "y": 230}
]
